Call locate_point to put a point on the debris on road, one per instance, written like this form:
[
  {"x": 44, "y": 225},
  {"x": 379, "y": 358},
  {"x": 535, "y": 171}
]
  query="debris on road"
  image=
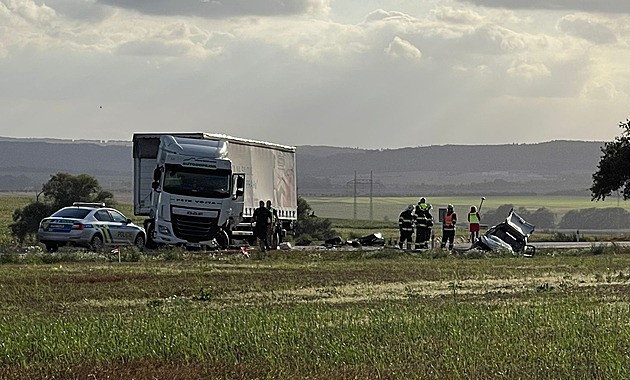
[{"x": 371, "y": 240}]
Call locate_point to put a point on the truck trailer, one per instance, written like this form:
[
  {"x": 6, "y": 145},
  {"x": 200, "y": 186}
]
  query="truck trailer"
[{"x": 201, "y": 189}]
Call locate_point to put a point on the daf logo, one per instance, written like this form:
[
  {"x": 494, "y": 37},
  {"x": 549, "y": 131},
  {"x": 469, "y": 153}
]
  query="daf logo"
[{"x": 194, "y": 213}]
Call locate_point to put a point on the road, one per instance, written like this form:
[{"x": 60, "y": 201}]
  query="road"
[{"x": 562, "y": 244}]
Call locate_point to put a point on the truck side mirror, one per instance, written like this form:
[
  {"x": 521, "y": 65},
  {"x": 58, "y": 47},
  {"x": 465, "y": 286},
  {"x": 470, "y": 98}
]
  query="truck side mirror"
[
  {"x": 157, "y": 174},
  {"x": 239, "y": 186}
]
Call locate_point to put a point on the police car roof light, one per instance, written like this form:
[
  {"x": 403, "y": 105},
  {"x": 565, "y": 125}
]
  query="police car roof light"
[{"x": 87, "y": 204}]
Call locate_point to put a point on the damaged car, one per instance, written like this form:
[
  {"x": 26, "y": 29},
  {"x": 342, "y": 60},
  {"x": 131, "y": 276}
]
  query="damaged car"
[{"x": 511, "y": 235}]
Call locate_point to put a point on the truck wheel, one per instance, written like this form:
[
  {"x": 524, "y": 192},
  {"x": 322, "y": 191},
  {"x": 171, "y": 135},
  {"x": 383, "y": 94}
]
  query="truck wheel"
[
  {"x": 150, "y": 244},
  {"x": 96, "y": 244},
  {"x": 223, "y": 240},
  {"x": 51, "y": 247},
  {"x": 139, "y": 242}
]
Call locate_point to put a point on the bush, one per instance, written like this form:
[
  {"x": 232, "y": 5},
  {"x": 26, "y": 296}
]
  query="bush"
[{"x": 310, "y": 225}]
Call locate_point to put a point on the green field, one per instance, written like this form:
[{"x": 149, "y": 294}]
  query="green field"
[
  {"x": 317, "y": 315},
  {"x": 390, "y": 207}
]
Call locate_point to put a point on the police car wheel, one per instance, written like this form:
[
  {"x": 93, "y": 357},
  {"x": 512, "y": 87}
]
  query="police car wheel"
[
  {"x": 96, "y": 243},
  {"x": 139, "y": 242}
]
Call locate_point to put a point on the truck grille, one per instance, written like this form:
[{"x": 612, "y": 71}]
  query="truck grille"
[{"x": 194, "y": 229}]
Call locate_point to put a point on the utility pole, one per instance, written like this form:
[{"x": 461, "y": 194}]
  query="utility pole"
[
  {"x": 355, "y": 195},
  {"x": 371, "y": 193}
]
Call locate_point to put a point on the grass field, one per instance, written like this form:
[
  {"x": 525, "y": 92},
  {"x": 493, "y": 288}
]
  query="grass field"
[
  {"x": 390, "y": 207},
  {"x": 317, "y": 315}
]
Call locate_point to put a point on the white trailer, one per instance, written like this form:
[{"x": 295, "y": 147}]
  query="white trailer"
[{"x": 202, "y": 189}]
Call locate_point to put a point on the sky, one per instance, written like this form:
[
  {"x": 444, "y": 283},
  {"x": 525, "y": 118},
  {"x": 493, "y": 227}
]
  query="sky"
[{"x": 374, "y": 74}]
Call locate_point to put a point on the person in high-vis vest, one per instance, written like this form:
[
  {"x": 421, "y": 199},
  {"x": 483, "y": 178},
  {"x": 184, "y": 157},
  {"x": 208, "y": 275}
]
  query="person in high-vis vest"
[
  {"x": 473, "y": 219},
  {"x": 405, "y": 225},
  {"x": 448, "y": 227},
  {"x": 424, "y": 222},
  {"x": 272, "y": 227}
]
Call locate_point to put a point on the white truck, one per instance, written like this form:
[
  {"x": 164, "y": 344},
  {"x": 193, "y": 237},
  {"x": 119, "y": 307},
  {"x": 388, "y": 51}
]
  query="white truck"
[{"x": 201, "y": 190}]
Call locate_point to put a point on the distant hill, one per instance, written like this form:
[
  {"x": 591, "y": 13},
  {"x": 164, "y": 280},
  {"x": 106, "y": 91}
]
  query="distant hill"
[{"x": 561, "y": 167}]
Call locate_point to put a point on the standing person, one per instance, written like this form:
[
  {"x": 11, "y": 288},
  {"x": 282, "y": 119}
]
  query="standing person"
[
  {"x": 405, "y": 225},
  {"x": 272, "y": 227},
  {"x": 424, "y": 222},
  {"x": 473, "y": 219},
  {"x": 261, "y": 221},
  {"x": 448, "y": 227}
]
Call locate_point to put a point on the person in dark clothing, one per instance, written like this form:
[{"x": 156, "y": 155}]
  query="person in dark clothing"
[
  {"x": 424, "y": 222},
  {"x": 448, "y": 227},
  {"x": 405, "y": 225},
  {"x": 261, "y": 220},
  {"x": 273, "y": 235}
]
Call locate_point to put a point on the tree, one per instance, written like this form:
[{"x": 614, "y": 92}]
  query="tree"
[
  {"x": 63, "y": 189},
  {"x": 310, "y": 225},
  {"x": 60, "y": 191},
  {"x": 27, "y": 220},
  {"x": 613, "y": 170}
]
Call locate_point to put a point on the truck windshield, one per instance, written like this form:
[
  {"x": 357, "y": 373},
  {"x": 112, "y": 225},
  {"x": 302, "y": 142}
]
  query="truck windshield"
[{"x": 196, "y": 182}]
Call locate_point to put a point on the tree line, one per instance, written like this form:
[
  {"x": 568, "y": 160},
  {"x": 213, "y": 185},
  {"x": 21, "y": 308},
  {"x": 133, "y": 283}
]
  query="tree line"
[{"x": 590, "y": 218}]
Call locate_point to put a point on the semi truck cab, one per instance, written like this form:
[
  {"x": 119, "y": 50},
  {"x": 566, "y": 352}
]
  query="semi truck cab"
[{"x": 196, "y": 198}]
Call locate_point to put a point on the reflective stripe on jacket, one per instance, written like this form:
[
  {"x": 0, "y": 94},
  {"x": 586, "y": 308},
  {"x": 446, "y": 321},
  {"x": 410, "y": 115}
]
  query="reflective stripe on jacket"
[{"x": 405, "y": 221}]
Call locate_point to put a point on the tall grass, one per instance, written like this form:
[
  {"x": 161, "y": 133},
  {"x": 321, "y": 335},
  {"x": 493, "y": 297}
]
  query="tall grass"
[
  {"x": 556, "y": 339},
  {"x": 331, "y": 314}
]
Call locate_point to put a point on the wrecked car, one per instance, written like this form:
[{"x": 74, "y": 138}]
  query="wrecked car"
[{"x": 511, "y": 235}]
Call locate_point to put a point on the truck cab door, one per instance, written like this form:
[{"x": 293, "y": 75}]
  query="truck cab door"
[{"x": 238, "y": 194}]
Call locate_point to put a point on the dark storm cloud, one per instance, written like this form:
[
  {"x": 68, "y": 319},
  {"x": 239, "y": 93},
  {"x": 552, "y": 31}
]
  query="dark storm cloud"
[
  {"x": 604, "y": 6},
  {"x": 220, "y": 8}
]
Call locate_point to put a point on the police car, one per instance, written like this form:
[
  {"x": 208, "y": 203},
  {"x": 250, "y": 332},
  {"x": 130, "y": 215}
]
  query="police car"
[{"x": 90, "y": 225}]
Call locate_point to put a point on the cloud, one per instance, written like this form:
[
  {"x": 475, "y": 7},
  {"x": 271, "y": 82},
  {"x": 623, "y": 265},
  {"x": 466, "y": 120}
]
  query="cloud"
[
  {"x": 528, "y": 71},
  {"x": 588, "y": 28},
  {"x": 82, "y": 10},
  {"x": 457, "y": 16},
  {"x": 604, "y": 6},
  {"x": 389, "y": 16},
  {"x": 26, "y": 11},
  {"x": 602, "y": 91},
  {"x": 221, "y": 8},
  {"x": 400, "y": 48}
]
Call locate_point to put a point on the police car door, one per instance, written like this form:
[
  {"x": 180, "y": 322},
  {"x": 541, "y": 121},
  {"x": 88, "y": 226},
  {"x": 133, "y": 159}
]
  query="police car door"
[
  {"x": 103, "y": 225},
  {"x": 122, "y": 233}
]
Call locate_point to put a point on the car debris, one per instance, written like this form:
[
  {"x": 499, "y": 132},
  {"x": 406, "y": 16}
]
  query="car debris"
[
  {"x": 371, "y": 240},
  {"x": 511, "y": 235}
]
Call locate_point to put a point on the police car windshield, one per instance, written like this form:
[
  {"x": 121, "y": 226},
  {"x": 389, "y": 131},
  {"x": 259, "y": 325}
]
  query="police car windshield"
[
  {"x": 74, "y": 213},
  {"x": 207, "y": 183}
]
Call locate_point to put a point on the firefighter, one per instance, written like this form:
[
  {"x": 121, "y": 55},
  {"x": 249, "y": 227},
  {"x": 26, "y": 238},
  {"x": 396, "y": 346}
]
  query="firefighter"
[
  {"x": 424, "y": 222},
  {"x": 448, "y": 227},
  {"x": 473, "y": 219},
  {"x": 405, "y": 225}
]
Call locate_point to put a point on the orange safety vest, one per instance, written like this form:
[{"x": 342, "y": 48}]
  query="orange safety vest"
[{"x": 448, "y": 221}]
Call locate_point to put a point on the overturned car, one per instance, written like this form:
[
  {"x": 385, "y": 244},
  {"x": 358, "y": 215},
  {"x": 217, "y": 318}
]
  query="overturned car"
[{"x": 510, "y": 235}]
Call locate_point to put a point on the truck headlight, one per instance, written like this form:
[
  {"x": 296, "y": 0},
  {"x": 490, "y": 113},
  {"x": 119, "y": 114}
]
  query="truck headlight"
[{"x": 164, "y": 230}]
